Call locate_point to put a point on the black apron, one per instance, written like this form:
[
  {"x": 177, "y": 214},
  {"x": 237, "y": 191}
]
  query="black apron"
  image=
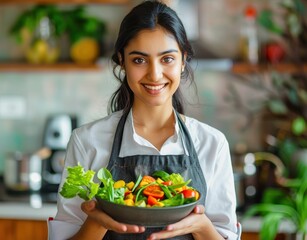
[{"x": 129, "y": 168}]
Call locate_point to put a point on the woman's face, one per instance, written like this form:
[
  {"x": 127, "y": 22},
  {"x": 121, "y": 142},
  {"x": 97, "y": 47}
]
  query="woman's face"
[{"x": 153, "y": 64}]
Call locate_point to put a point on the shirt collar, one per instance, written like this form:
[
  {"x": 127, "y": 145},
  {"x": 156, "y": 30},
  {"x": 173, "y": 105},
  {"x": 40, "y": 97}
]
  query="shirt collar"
[
  {"x": 132, "y": 143},
  {"x": 136, "y": 137}
]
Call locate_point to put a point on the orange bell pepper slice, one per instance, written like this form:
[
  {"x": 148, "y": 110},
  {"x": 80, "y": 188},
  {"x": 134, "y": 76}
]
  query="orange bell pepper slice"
[{"x": 154, "y": 191}]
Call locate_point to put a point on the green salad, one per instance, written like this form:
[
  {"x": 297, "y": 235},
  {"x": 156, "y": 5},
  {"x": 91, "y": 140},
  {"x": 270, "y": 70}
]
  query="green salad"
[{"x": 157, "y": 190}]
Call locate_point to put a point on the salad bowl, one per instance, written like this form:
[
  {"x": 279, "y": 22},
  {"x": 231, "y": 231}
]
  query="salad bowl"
[{"x": 145, "y": 216}]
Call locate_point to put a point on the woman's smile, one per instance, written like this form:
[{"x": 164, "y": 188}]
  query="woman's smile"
[{"x": 154, "y": 89}]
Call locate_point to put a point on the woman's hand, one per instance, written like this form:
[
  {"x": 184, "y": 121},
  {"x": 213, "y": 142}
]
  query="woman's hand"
[
  {"x": 98, "y": 223},
  {"x": 196, "y": 223},
  {"x": 106, "y": 221}
]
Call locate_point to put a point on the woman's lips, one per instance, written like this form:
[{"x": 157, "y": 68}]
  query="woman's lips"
[{"x": 154, "y": 87}]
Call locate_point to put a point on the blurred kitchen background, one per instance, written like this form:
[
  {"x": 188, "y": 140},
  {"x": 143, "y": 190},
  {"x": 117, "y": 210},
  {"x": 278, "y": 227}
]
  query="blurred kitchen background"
[{"x": 250, "y": 70}]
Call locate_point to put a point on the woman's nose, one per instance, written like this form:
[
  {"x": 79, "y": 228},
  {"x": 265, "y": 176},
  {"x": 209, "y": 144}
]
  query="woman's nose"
[{"x": 155, "y": 72}]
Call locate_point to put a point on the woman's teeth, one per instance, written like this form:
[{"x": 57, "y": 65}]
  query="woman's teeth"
[{"x": 154, "y": 87}]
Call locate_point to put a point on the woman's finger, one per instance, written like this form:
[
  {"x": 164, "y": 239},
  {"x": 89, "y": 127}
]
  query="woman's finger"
[
  {"x": 200, "y": 209},
  {"x": 106, "y": 221}
]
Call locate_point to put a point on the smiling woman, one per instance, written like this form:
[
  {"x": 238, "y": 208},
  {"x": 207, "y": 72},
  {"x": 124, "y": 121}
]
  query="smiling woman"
[
  {"x": 153, "y": 70},
  {"x": 145, "y": 132}
]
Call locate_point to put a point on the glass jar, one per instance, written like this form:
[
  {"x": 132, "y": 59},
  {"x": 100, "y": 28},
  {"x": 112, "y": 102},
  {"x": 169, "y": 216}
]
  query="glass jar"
[{"x": 44, "y": 47}]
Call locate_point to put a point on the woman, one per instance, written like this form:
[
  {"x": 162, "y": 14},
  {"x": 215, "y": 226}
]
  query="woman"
[{"x": 147, "y": 131}]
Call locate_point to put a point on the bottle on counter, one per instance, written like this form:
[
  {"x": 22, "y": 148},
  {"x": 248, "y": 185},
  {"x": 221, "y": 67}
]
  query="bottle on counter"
[{"x": 249, "y": 43}]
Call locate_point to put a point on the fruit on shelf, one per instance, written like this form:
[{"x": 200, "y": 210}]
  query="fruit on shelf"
[
  {"x": 40, "y": 51},
  {"x": 85, "y": 50},
  {"x": 274, "y": 52}
]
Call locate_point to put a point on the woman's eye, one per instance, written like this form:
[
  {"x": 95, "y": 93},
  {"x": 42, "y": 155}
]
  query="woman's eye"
[
  {"x": 168, "y": 59},
  {"x": 139, "y": 60}
]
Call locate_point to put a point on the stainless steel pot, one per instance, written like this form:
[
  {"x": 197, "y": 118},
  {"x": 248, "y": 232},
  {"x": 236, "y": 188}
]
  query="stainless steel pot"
[{"x": 23, "y": 172}]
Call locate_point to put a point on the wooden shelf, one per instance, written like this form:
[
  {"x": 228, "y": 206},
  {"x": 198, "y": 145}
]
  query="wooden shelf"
[
  {"x": 63, "y": 67},
  {"x": 245, "y": 68},
  {"x": 10, "y": 2},
  {"x": 237, "y": 68}
]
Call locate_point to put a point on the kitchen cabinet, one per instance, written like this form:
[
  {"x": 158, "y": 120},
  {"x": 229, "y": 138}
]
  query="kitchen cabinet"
[{"x": 12, "y": 229}]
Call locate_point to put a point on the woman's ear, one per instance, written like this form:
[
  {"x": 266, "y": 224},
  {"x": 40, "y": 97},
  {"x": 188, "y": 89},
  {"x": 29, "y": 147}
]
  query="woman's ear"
[
  {"x": 121, "y": 60},
  {"x": 184, "y": 57}
]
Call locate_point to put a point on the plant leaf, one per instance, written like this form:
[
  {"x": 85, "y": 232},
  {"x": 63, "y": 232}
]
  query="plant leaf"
[
  {"x": 277, "y": 106},
  {"x": 266, "y": 208},
  {"x": 269, "y": 226},
  {"x": 299, "y": 126},
  {"x": 265, "y": 19},
  {"x": 294, "y": 25}
]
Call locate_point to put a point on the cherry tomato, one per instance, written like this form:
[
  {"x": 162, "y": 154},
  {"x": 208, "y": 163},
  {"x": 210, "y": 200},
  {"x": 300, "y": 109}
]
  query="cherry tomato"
[
  {"x": 151, "y": 200},
  {"x": 154, "y": 191},
  {"x": 167, "y": 183},
  {"x": 189, "y": 193}
]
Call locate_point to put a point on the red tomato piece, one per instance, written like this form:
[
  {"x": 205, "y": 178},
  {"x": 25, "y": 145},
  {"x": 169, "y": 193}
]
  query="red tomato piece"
[
  {"x": 167, "y": 183},
  {"x": 189, "y": 193},
  {"x": 151, "y": 200}
]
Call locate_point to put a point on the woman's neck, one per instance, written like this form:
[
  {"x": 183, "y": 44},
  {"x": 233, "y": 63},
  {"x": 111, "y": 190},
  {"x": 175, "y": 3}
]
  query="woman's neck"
[
  {"x": 153, "y": 118},
  {"x": 154, "y": 125}
]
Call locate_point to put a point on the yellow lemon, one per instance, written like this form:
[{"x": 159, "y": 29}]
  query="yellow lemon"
[
  {"x": 52, "y": 55},
  {"x": 41, "y": 47},
  {"x": 85, "y": 50}
]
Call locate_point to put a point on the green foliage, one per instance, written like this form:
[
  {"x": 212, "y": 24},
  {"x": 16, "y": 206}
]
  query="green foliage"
[
  {"x": 289, "y": 99},
  {"x": 75, "y": 22},
  {"x": 79, "y": 24},
  {"x": 294, "y": 13},
  {"x": 31, "y": 18},
  {"x": 286, "y": 203}
]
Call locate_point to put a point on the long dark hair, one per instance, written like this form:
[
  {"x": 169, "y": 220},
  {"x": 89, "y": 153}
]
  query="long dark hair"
[{"x": 148, "y": 15}]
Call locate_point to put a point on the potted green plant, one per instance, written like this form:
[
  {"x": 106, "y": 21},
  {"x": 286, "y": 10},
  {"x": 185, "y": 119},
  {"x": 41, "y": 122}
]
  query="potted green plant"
[
  {"x": 29, "y": 21},
  {"x": 86, "y": 34},
  {"x": 288, "y": 202},
  {"x": 290, "y": 23},
  {"x": 38, "y": 30}
]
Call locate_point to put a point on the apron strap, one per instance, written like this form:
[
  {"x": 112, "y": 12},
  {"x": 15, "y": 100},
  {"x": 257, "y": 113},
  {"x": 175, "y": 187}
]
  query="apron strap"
[
  {"x": 184, "y": 133},
  {"x": 186, "y": 137},
  {"x": 117, "y": 142}
]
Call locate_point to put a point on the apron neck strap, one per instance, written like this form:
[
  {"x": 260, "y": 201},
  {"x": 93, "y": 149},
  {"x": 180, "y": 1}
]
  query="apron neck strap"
[{"x": 184, "y": 133}]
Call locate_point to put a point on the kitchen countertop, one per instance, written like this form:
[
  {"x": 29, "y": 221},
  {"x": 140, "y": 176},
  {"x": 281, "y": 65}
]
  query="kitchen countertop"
[
  {"x": 28, "y": 206},
  {"x": 26, "y": 211},
  {"x": 14, "y": 210},
  {"x": 41, "y": 206}
]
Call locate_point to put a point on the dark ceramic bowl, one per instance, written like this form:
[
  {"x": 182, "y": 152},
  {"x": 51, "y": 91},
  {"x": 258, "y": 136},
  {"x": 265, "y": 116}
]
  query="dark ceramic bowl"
[{"x": 145, "y": 216}]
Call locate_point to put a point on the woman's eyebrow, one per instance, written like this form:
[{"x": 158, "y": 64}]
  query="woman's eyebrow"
[{"x": 146, "y": 55}]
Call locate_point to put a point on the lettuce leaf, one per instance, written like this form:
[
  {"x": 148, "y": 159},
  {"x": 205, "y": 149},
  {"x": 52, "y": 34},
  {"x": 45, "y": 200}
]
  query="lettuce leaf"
[{"x": 79, "y": 183}]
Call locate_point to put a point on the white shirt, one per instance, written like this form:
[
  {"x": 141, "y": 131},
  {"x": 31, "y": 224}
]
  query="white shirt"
[{"x": 91, "y": 144}]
